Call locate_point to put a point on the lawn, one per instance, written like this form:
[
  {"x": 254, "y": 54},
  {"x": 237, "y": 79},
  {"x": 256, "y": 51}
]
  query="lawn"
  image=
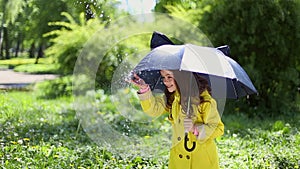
[
  {"x": 41, "y": 133},
  {"x": 45, "y": 65}
]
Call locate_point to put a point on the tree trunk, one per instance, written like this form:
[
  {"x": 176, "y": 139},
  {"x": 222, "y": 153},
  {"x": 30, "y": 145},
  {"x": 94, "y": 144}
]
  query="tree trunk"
[
  {"x": 2, "y": 30},
  {"x": 32, "y": 50},
  {"x": 18, "y": 46},
  {"x": 6, "y": 42},
  {"x": 22, "y": 46},
  {"x": 1, "y": 50},
  {"x": 1, "y": 42},
  {"x": 40, "y": 53}
]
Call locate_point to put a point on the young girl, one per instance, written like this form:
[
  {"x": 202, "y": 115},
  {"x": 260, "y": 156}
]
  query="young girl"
[{"x": 193, "y": 114}]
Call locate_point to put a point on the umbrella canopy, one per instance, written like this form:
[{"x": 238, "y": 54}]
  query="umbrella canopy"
[{"x": 226, "y": 77}]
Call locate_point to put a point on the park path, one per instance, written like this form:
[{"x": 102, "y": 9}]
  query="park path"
[{"x": 10, "y": 79}]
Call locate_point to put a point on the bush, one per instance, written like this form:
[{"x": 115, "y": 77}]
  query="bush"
[
  {"x": 260, "y": 35},
  {"x": 51, "y": 89},
  {"x": 264, "y": 38}
]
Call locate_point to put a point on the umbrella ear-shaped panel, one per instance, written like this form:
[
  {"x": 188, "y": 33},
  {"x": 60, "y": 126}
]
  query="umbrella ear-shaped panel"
[{"x": 159, "y": 39}]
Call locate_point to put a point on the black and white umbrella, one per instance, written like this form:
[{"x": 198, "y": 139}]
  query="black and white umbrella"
[{"x": 226, "y": 77}]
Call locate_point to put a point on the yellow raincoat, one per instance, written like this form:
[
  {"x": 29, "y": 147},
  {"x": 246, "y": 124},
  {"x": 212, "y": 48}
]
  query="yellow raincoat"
[{"x": 205, "y": 155}]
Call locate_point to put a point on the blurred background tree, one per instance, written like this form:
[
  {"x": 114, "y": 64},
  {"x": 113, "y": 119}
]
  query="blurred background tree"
[{"x": 9, "y": 13}]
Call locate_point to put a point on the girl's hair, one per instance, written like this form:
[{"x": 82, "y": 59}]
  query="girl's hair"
[
  {"x": 189, "y": 84},
  {"x": 202, "y": 85}
]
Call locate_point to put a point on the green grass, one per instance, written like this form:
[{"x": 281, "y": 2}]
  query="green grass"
[
  {"x": 46, "y": 134},
  {"x": 38, "y": 68},
  {"x": 255, "y": 143},
  {"x": 3, "y": 67},
  {"x": 44, "y": 66},
  {"x": 20, "y": 61},
  {"x": 38, "y": 133}
]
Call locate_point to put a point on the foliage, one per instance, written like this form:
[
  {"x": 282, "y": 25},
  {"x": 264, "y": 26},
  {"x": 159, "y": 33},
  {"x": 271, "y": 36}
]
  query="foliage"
[
  {"x": 255, "y": 142},
  {"x": 26, "y": 22},
  {"x": 187, "y": 10},
  {"x": 115, "y": 57},
  {"x": 64, "y": 50},
  {"x": 259, "y": 34},
  {"x": 71, "y": 36},
  {"x": 102, "y": 9},
  {"x": 164, "y": 5},
  {"x": 46, "y": 134},
  {"x": 37, "y": 13},
  {"x": 263, "y": 31},
  {"x": 50, "y": 89},
  {"x": 123, "y": 124},
  {"x": 83, "y": 34},
  {"x": 11, "y": 10}
]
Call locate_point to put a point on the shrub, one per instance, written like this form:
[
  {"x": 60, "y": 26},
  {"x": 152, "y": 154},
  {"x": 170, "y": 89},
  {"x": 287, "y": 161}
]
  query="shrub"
[{"x": 51, "y": 89}]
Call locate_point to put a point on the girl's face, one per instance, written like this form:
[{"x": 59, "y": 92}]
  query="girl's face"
[{"x": 168, "y": 79}]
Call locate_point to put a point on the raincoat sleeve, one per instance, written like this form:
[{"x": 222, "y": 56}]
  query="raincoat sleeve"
[
  {"x": 212, "y": 126},
  {"x": 154, "y": 106}
]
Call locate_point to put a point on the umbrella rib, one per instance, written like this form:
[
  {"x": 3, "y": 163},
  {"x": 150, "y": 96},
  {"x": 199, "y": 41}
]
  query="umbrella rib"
[
  {"x": 157, "y": 81},
  {"x": 245, "y": 89},
  {"x": 236, "y": 95},
  {"x": 189, "y": 99}
]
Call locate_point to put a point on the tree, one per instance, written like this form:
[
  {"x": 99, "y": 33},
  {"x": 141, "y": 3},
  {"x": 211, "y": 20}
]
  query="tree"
[
  {"x": 164, "y": 5},
  {"x": 78, "y": 29},
  {"x": 41, "y": 13},
  {"x": 10, "y": 10},
  {"x": 104, "y": 10},
  {"x": 65, "y": 51},
  {"x": 260, "y": 34}
]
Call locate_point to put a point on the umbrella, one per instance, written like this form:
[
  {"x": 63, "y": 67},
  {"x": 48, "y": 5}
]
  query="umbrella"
[{"x": 226, "y": 77}]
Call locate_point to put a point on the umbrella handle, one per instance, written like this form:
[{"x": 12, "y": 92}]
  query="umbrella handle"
[{"x": 186, "y": 139}]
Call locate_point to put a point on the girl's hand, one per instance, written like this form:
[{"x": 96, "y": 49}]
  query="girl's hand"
[
  {"x": 188, "y": 124},
  {"x": 140, "y": 83}
]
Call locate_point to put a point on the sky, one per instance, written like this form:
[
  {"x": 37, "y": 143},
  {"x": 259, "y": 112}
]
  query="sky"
[{"x": 138, "y": 6}]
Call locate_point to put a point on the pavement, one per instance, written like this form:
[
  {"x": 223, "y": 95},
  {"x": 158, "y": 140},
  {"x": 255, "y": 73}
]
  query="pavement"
[{"x": 10, "y": 79}]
